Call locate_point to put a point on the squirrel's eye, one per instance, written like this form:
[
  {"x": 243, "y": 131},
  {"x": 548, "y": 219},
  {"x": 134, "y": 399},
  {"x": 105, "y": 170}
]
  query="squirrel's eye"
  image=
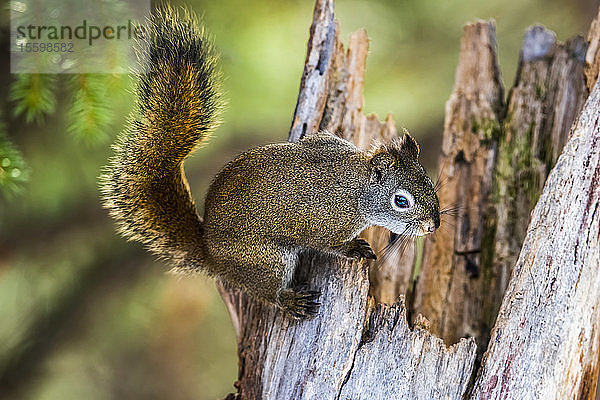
[{"x": 402, "y": 200}]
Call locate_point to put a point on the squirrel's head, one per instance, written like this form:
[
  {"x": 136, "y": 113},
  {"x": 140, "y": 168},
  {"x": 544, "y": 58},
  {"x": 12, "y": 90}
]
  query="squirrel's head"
[{"x": 400, "y": 196}]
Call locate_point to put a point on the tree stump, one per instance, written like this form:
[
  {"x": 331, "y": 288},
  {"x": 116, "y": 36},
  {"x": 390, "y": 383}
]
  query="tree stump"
[{"x": 494, "y": 159}]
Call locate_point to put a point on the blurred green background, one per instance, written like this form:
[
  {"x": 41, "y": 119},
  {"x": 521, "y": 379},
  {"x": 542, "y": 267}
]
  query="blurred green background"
[{"x": 86, "y": 315}]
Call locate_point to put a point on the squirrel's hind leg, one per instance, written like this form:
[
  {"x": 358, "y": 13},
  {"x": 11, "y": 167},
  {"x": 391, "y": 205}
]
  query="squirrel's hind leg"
[{"x": 265, "y": 270}]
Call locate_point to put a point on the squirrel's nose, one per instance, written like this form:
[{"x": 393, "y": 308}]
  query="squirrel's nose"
[{"x": 433, "y": 224}]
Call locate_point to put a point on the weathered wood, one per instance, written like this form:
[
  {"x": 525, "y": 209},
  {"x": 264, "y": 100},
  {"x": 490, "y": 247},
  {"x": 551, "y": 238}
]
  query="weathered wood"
[
  {"x": 561, "y": 379},
  {"x": 317, "y": 68},
  {"x": 474, "y": 265},
  {"x": 546, "y": 340},
  {"x": 343, "y": 114},
  {"x": 331, "y": 354},
  {"x": 285, "y": 359},
  {"x": 395, "y": 362},
  {"x": 592, "y": 57},
  {"x": 447, "y": 293},
  {"x": 548, "y": 94},
  {"x": 545, "y": 343}
]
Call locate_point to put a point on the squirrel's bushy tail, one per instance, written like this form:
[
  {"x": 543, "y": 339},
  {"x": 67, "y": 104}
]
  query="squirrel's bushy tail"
[{"x": 144, "y": 186}]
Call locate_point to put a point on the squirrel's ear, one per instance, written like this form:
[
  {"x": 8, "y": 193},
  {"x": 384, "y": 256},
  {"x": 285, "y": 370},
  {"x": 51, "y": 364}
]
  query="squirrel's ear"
[
  {"x": 382, "y": 160},
  {"x": 409, "y": 145}
]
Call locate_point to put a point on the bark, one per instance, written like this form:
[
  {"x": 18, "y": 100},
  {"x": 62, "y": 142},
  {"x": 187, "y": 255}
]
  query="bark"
[
  {"x": 494, "y": 162},
  {"x": 449, "y": 291},
  {"x": 472, "y": 263},
  {"x": 317, "y": 71},
  {"x": 545, "y": 342},
  {"x": 592, "y": 57},
  {"x": 343, "y": 114},
  {"x": 547, "y": 96},
  {"x": 328, "y": 356}
]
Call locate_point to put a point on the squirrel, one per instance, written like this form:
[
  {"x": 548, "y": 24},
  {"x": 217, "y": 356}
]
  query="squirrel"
[{"x": 268, "y": 204}]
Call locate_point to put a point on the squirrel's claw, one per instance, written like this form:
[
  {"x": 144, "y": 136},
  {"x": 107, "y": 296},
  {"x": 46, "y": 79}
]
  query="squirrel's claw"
[
  {"x": 358, "y": 248},
  {"x": 300, "y": 304}
]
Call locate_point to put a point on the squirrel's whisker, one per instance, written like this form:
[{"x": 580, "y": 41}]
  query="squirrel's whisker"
[{"x": 441, "y": 182}]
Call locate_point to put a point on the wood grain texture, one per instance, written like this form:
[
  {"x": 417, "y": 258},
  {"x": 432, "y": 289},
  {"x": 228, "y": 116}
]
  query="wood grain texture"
[
  {"x": 395, "y": 362},
  {"x": 281, "y": 358},
  {"x": 592, "y": 57},
  {"x": 545, "y": 342},
  {"x": 448, "y": 293},
  {"x": 547, "y": 96},
  {"x": 332, "y": 355},
  {"x": 317, "y": 70},
  {"x": 343, "y": 114}
]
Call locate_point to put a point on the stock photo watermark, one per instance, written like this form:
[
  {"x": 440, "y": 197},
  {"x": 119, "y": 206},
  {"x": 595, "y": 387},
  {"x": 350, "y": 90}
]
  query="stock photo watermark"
[{"x": 89, "y": 36}]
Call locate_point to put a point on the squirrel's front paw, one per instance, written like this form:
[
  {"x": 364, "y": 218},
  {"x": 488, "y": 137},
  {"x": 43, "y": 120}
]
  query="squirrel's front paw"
[
  {"x": 358, "y": 248},
  {"x": 300, "y": 304}
]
